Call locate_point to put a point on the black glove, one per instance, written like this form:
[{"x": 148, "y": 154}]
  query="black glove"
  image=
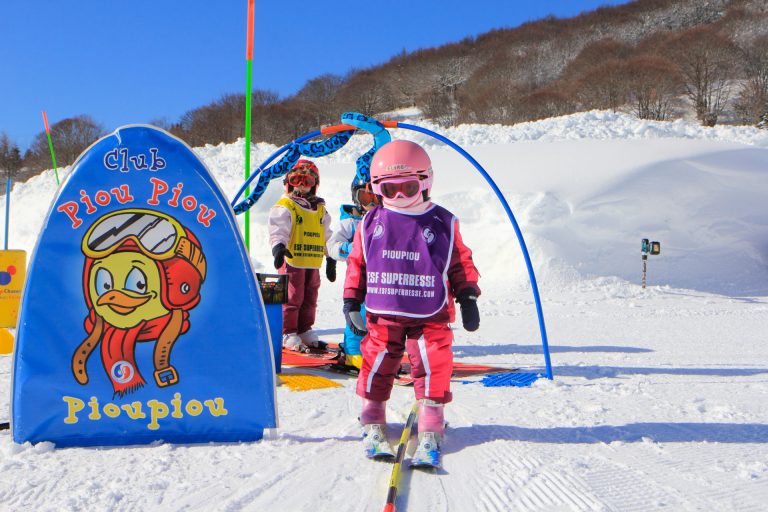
[
  {"x": 330, "y": 268},
  {"x": 353, "y": 317},
  {"x": 280, "y": 253},
  {"x": 470, "y": 315}
]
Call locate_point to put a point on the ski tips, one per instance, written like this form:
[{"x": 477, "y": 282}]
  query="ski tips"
[
  {"x": 383, "y": 457},
  {"x": 425, "y": 466}
]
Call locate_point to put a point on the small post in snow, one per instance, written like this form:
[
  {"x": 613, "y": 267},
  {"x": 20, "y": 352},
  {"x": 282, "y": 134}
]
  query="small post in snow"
[{"x": 646, "y": 248}]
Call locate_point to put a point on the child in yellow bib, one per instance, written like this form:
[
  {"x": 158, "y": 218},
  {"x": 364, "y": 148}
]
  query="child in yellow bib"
[
  {"x": 305, "y": 244},
  {"x": 299, "y": 227}
]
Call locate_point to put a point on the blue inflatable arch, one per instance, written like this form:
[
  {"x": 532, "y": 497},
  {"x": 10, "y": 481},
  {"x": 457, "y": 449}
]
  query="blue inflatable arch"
[{"x": 339, "y": 136}]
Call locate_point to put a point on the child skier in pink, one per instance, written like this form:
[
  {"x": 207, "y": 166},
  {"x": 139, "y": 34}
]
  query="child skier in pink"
[
  {"x": 408, "y": 263},
  {"x": 298, "y": 229}
]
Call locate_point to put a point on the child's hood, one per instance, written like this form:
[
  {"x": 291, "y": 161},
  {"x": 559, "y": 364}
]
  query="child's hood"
[
  {"x": 348, "y": 212},
  {"x": 309, "y": 203}
]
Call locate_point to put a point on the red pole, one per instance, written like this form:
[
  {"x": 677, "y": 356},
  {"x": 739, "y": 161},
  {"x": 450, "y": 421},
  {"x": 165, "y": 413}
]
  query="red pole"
[{"x": 249, "y": 36}]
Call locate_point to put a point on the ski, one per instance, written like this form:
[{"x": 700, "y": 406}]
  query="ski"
[
  {"x": 403, "y": 379},
  {"x": 394, "y": 479},
  {"x": 311, "y": 353},
  {"x": 340, "y": 368},
  {"x": 321, "y": 348}
]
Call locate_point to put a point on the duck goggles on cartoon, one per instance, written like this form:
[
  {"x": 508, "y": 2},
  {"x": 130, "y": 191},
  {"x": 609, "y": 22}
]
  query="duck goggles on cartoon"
[
  {"x": 406, "y": 187},
  {"x": 301, "y": 179},
  {"x": 158, "y": 236}
]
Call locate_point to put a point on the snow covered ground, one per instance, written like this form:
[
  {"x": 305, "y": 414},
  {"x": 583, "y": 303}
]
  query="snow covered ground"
[{"x": 659, "y": 397}]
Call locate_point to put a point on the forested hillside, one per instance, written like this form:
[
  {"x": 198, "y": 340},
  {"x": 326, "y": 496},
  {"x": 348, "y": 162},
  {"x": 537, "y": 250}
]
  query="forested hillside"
[{"x": 657, "y": 59}]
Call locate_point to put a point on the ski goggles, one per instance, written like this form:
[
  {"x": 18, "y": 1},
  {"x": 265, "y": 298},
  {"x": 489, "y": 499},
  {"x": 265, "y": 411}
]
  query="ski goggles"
[
  {"x": 300, "y": 179},
  {"x": 158, "y": 236},
  {"x": 365, "y": 197},
  {"x": 408, "y": 187}
]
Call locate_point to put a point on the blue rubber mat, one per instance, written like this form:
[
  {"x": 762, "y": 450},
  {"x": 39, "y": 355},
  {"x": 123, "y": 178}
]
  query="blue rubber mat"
[{"x": 510, "y": 379}]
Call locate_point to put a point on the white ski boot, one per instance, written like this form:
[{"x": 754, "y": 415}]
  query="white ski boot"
[
  {"x": 292, "y": 342},
  {"x": 375, "y": 442},
  {"x": 311, "y": 340},
  {"x": 427, "y": 454}
]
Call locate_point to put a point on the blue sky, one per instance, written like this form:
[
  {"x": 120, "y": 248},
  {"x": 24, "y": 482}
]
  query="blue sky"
[{"x": 133, "y": 61}]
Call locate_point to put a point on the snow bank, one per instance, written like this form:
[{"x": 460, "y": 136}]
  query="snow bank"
[{"x": 585, "y": 188}]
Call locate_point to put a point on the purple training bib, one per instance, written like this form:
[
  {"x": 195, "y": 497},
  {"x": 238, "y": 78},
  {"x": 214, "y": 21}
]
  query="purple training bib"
[{"x": 407, "y": 258}]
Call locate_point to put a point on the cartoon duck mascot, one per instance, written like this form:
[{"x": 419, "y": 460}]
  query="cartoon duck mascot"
[{"x": 142, "y": 274}]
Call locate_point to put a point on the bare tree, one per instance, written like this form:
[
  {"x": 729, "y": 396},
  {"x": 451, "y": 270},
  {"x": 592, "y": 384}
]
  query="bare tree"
[
  {"x": 752, "y": 101},
  {"x": 263, "y": 97},
  {"x": 490, "y": 93},
  {"x": 295, "y": 120},
  {"x": 220, "y": 121},
  {"x": 544, "y": 103},
  {"x": 593, "y": 55},
  {"x": 450, "y": 75},
  {"x": 70, "y": 137},
  {"x": 406, "y": 78},
  {"x": 319, "y": 97},
  {"x": 603, "y": 86},
  {"x": 706, "y": 61},
  {"x": 162, "y": 122},
  {"x": 438, "y": 106},
  {"x": 224, "y": 119},
  {"x": 653, "y": 84},
  {"x": 263, "y": 128},
  {"x": 366, "y": 92},
  {"x": 491, "y": 104},
  {"x": 10, "y": 157}
]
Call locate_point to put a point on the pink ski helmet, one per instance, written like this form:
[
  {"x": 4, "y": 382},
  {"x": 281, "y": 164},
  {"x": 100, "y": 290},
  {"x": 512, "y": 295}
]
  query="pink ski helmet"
[{"x": 401, "y": 159}]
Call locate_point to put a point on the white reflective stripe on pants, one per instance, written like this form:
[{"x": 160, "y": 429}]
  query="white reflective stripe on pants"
[
  {"x": 379, "y": 358},
  {"x": 425, "y": 363}
]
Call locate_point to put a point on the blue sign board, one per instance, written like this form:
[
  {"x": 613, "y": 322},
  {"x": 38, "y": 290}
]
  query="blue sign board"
[{"x": 141, "y": 319}]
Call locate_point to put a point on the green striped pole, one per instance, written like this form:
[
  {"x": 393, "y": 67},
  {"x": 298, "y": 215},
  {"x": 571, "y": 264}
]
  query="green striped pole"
[
  {"x": 248, "y": 84},
  {"x": 50, "y": 146},
  {"x": 394, "y": 479}
]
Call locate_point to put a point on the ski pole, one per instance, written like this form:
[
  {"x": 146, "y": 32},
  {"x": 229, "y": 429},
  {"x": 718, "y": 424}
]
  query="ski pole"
[
  {"x": 50, "y": 146},
  {"x": 394, "y": 479}
]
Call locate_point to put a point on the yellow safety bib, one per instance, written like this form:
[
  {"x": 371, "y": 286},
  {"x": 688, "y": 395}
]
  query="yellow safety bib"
[{"x": 307, "y": 243}]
